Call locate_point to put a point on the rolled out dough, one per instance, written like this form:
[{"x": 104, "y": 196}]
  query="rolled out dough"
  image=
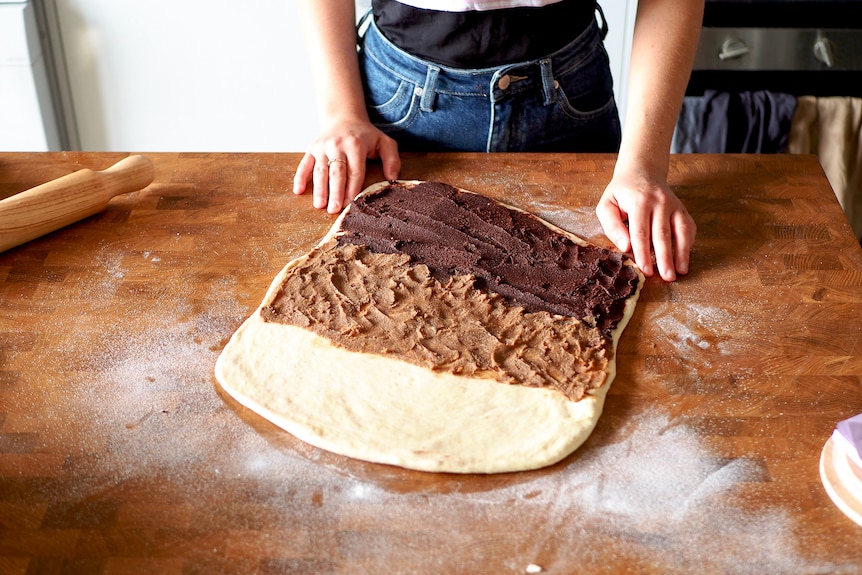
[{"x": 380, "y": 409}]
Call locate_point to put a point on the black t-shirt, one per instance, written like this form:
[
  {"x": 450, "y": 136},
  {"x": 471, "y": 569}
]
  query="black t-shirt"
[{"x": 482, "y": 39}]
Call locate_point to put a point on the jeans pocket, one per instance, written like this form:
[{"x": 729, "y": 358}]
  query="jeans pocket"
[
  {"x": 398, "y": 112},
  {"x": 587, "y": 90},
  {"x": 392, "y": 102}
]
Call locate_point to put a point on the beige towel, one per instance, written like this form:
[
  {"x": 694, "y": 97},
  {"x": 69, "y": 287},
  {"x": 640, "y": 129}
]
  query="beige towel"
[{"x": 832, "y": 129}]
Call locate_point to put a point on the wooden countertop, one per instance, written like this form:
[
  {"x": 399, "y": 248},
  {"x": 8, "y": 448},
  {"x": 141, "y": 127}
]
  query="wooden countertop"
[{"x": 120, "y": 454}]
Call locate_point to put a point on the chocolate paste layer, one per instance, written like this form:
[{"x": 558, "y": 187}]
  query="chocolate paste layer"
[
  {"x": 508, "y": 252},
  {"x": 385, "y": 304}
]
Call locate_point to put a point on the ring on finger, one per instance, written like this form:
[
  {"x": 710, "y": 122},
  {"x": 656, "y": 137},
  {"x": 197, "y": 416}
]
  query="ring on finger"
[{"x": 334, "y": 160}]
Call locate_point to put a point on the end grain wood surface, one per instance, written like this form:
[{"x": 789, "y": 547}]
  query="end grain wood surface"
[{"x": 120, "y": 454}]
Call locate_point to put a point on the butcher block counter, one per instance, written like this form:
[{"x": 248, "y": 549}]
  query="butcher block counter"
[{"x": 119, "y": 452}]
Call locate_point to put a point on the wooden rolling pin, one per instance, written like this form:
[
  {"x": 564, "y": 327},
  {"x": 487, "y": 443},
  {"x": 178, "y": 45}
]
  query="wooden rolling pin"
[{"x": 58, "y": 203}]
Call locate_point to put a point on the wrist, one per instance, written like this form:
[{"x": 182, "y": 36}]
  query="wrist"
[
  {"x": 343, "y": 117},
  {"x": 642, "y": 164}
]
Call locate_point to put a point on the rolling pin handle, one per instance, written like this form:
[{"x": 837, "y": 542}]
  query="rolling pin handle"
[{"x": 128, "y": 175}]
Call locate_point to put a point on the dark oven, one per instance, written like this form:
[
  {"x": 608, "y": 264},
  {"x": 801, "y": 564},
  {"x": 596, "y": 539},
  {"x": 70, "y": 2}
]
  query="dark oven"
[{"x": 799, "y": 47}]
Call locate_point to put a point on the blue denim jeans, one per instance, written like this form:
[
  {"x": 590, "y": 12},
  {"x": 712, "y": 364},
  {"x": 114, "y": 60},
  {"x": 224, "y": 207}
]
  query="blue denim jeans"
[{"x": 561, "y": 103}]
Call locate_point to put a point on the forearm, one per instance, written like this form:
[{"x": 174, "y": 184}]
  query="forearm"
[
  {"x": 665, "y": 40},
  {"x": 330, "y": 36}
]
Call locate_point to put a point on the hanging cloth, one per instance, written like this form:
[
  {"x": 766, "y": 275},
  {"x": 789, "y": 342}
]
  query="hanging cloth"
[
  {"x": 831, "y": 128},
  {"x": 743, "y": 122}
]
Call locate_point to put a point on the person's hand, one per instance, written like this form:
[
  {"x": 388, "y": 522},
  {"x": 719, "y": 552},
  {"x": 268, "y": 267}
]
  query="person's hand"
[
  {"x": 640, "y": 214},
  {"x": 335, "y": 163}
]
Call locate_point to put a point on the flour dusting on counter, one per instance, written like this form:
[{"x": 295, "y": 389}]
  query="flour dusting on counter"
[
  {"x": 658, "y": 488},
  {"x": 147, "y": 391}
]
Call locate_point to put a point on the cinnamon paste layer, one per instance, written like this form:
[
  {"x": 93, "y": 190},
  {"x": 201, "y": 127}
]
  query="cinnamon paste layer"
[
  {"x": 454, "y": 281},
  {"x": 384, "y": 304},
  {"x": 509, "y": 252}
]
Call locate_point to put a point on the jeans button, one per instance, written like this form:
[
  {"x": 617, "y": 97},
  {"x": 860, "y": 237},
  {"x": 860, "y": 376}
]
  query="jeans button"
[{"x": 503, "y": 83}]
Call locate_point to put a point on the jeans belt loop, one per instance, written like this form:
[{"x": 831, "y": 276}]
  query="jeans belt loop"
[
  {"x": 429, "y": 90},
  {"x": 548, "y": 84}
]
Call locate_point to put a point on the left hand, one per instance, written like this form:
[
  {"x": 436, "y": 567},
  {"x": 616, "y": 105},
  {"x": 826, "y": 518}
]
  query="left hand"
[{"x": 642, "y": 215}]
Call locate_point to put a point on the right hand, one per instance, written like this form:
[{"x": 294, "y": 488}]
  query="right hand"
[{"x": 335, "y": 163}]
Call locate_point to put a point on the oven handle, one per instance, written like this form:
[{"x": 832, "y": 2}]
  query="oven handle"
[
  {"x": 779, "y": 49},
  {"x": 733, "y": 48}
]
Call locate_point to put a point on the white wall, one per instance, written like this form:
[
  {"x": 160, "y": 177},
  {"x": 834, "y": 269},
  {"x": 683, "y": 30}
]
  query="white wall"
[
  {"x": 621, "y": 23},
  {"x": 182, "y": 75},
  {"x": 27, "y": 122},
  {"x": 204, "y": 75}
]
